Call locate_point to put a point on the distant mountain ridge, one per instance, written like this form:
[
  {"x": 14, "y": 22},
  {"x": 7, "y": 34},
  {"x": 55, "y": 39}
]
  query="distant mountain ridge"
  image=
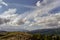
[
  {"x": 46, "y": 31},
  {"x": 41, "y": 31}
]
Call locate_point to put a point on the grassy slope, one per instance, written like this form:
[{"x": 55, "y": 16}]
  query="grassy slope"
[
  {"x": 14, "y": 36},
  {"x": 27, "y": 36}
]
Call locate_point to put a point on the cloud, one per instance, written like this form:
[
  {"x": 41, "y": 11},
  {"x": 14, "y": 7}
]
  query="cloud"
[
  {"x": 38, "y": 21},
  {"x": 7, "y": 16},
  {"x": 38, "y": 3},
  {"x": 3, "y": 3},
  {"x": 0, "y": 6},
  {"x": 10, "y": 17},
  {"x": 32, "y": 20}
]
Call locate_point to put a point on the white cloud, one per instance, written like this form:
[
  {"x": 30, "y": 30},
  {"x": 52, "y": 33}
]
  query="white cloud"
[
  {"x": 3, "y": 3},
  {"x": 32, "y": 20},
  {"x": 39, "y": 22},
  {"x": 7, "y": 16},
  {"x": 38, "y": 3},
  {"x": 10, "y": 17}
]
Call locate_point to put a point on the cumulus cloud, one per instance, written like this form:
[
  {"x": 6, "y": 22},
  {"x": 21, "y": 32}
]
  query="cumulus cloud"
[
  {"x": 32, "y": 20},
  {"x": 7, "y": 16},
  {"x": 10, "y": 17},
  {"x": 37, "y": 19},
  {"x": 38, "y": 3}
]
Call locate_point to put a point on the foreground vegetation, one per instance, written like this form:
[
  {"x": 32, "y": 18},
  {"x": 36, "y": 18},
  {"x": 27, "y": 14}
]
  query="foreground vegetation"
[{"x": 27, "y": 36}]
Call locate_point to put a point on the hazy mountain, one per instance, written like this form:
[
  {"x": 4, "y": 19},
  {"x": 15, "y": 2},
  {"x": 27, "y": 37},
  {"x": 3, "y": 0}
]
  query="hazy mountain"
[{"x": 46, "y": 31}]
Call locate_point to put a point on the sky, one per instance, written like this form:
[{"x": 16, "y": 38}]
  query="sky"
[
  {"x": 29, "y": 14},
  {"x": 21, "y": 5}
]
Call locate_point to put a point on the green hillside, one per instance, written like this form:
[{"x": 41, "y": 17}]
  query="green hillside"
[{"x": 27, "y": 36}]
